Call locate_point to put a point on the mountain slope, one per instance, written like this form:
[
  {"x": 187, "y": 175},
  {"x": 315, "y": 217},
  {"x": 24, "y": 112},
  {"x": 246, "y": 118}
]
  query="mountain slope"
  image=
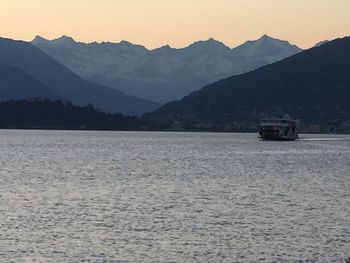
[
  {"x": 313, "y": 85},
  {"x": 321, "y": 43},
  {"x": 15, "y": 84},
  {"x": 165, "y": 73},
  {"x": 67, "y": 84}
]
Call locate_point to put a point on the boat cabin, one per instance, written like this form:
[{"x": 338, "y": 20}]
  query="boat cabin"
[{"x": 279, "y": 129}]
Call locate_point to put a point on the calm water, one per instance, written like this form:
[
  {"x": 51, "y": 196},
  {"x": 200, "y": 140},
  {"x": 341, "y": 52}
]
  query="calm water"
[{"x": 173, "y": 197}]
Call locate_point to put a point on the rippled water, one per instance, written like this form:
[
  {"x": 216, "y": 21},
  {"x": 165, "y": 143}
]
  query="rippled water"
[{"x": 173, "y": 197}]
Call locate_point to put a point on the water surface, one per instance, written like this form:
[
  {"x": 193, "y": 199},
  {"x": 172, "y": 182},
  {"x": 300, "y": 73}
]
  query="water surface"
[{"x": 173, "y": 197}]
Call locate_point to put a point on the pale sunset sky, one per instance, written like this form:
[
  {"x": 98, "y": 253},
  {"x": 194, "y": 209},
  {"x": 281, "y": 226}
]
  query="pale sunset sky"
[{"x": 154, "y": 23}]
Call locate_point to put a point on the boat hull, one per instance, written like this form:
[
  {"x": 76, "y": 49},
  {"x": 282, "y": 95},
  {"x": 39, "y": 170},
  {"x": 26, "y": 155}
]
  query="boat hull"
[
  {"x": 279, "y": 130},
  {"x": 277, "y": 138}
]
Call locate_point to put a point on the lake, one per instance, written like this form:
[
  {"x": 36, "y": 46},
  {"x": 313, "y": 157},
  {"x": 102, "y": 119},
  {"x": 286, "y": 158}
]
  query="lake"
[{"x": 80, "y": 196}]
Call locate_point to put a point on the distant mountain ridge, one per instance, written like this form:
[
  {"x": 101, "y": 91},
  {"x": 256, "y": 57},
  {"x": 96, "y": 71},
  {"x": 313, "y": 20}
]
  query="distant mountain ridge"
[
  {"x": 313, "y": 85},
  {"x": 321, "y": 43},
  {"x": 38, "y": 67},
  {"x": 165, "y": 73}
]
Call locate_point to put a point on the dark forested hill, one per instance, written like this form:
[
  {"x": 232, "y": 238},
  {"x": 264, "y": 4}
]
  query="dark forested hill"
[
  {"x": 46, "y": 114},
  {"x": 313, "y": 85},
  {"x": 65, "y": 83}
]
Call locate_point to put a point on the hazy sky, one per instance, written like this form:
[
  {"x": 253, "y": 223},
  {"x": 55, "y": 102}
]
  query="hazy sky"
[{"x": 154, "y": 23}]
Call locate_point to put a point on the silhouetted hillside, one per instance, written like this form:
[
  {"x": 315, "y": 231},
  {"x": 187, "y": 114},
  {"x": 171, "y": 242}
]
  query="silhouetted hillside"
[
  {"x": 16, "y": 84},
  {"x": 313, "y": 85},
  {"x": 45, "y": 114}
]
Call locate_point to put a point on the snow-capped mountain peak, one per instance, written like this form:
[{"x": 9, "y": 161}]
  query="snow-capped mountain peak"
[
  {"x": 210, "y": 43},
  {"x": 64, "y": 40},
  {"x": 39, "y": 40}
]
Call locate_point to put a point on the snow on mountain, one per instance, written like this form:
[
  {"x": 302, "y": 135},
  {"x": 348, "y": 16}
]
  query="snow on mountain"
[
  {"x": 39, "y": 40},
  {"x": 165, "y": 73},
  {"x": 33, "y": 66}
]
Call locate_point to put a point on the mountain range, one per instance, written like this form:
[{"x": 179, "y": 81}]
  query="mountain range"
[
  {"x": 313, "y": 85},
  {"x": 165, "y": 73},
  {"x": 27, "y": 71}
]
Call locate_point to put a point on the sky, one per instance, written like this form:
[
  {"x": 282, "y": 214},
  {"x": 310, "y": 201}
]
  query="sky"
[{"x": 154, "y": 23}]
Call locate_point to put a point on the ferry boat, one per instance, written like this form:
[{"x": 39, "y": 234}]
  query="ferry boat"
[{"x": 279, "y": 129}]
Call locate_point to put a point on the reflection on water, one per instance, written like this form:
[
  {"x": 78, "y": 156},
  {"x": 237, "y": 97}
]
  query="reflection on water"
[
  {"x": 324, "y": 137},
  {"x": 173, "y": 197}
]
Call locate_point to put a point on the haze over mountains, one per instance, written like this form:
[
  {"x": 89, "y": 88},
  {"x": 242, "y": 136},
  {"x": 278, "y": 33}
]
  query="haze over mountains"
[
  {"x": 16, "y": 84},
  {"x": 313, "y": 85},
  {"x": 31, "y": 72},
  {"x": 165, "y": 73}
]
